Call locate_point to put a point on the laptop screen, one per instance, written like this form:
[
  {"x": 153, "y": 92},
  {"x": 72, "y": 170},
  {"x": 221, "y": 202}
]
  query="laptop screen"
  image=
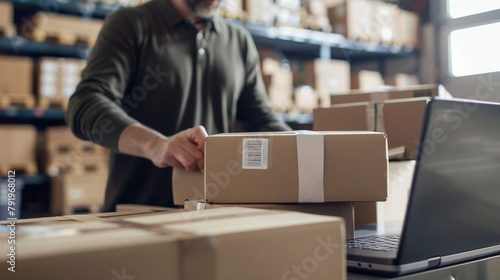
[{"x": 455, "y": 200}]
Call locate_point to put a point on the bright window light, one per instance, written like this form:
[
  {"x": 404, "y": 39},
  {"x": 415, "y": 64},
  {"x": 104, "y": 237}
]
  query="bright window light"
[
  {"x": 475, "y": 50},
  {"x": 462, "y": 8}
]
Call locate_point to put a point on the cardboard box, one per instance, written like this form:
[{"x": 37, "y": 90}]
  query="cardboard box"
[
  {"x": 260, "y": 10},
  {"x": 6, "y": 14},
  {"x": 408, "y": 29},
  {"x": 402, "y": 122},
  {"x": 343, "y": 210},
  {"x": 64, "y": 153},
  {"x": 345, "y": 117},
  {"x": 327, "y": 77},
  {"x": 17, "y": 75},
  {"x": 226, "y": 243},
  {"x": 429, "y": 90},
  {"x": 394, "y": 209},
  {"x": 74, "y": 191},
  {"x": 265, "y": 167},
  {"x": 17, "y": 147},
  {"x": 367, "y": 80},
  {"x": 401, "y": 80},
  {"x": 356, "y": 20},
  {"x": 400, "y": 119},
  {"x": 58, "y": 77},
  {"x": 387, "y": 17}
]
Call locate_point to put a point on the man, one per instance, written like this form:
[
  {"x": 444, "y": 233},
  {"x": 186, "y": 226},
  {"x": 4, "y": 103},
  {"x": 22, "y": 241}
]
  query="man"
[{"x": 158, "y": 76}]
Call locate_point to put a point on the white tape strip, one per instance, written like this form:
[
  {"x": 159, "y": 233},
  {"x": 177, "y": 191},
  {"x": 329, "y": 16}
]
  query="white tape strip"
[{"x": 310, "y": 156}]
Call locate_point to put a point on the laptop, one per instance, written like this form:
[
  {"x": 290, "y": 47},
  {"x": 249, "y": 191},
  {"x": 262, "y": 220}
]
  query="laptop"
[{"x": 453, "y": 212}]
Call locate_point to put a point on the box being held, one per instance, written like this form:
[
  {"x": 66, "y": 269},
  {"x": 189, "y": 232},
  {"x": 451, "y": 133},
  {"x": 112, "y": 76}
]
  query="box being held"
[{"x": 296, "y": 167}]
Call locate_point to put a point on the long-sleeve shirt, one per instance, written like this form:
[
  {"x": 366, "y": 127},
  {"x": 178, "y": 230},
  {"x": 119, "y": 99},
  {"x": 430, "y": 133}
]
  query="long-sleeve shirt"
[{"x": 151, "y": 66}]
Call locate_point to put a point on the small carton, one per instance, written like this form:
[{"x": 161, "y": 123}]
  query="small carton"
[{"x": 295, "y": 167}]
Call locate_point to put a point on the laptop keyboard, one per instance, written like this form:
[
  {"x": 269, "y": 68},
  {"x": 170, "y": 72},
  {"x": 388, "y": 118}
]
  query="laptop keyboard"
[{"x": 375, "y": 243}]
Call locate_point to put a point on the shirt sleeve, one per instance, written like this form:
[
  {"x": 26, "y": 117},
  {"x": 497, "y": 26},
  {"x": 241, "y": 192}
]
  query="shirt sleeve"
[
  {"x": 254, "y": 111},
  {"x": 94, "y": 112}
]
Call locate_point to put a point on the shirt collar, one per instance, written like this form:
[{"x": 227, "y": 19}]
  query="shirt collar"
[{"x": 173, "y": 18}]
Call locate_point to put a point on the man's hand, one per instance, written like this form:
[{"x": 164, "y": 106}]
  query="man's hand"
[{"x": 184, "y": 150}]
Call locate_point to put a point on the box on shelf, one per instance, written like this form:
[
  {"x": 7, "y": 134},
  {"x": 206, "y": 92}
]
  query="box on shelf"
[
  {"x": 16, "y": 82},
  {"x": 7, "y": 27},
  {"x": 408, "y": 29},
  {"x": 56, "y": 80},
  {"x": 429, "y": 90},
  {"x": 394, "y": 209},
  {"x": 367, "y": 80},
  {"x": 387, "y": 17},
  {"x": 401, "y": 80},
  {"x": 225, "y": 243},
  {"x": 262, "y": 11},
  {"x": 70, "y": 192},
  {"x": 66, "y": 29},
  {"x": 232, "y": 9},
  {"x": 356, "y": 20},
  {"x": 64, "y": 153},
  {"x": 278, "y": 80},
  {"x": 327, "y": 77},
  {"x": 400, "y": 119},
  {"x": 306, "y": 99},
  {"x": 343, "y": 210},
  {"x": 265, "y": 167},
  {"x": 17, "y": 147}
]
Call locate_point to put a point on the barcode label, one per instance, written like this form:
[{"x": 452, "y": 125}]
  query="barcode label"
[{"x": 255, "y": 153}]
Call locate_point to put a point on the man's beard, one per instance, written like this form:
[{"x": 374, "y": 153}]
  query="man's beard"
[{"x": 202, "y": 10}]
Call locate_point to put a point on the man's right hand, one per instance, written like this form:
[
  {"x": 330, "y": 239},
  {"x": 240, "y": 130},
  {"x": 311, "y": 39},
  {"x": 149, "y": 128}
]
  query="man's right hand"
[{"x": 184, "y": 150}]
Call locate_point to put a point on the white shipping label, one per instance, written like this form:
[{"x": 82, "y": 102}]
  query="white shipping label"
[{"x": 255, "y": 153}]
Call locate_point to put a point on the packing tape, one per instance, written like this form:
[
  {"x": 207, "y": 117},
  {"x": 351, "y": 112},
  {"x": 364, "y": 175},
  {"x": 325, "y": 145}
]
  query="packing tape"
[{"x": 310, "y": 157}]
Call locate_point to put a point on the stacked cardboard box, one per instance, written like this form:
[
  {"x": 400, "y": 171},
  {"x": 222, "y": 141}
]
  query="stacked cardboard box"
[
  {"x": 17, "y": 149},
  {"x": 290, "y": 13},
  {"x": 79, "y": 168},
  {"x": 262, "y": 11},
  {"x": 429, "y": 90},
  {"x": 374, "y": 21},
  {"x": 401, "y": 80},
  {"x": 56, "y": 80},
  {"x": 16, "y": 81},
  {"x": 356, "y": 20},
  {"x": 400, "y": 119},
  {"x": 7, "y": 27},
  {"x": 317, "y": 17},
  {"x": 327, "y": 77},
  {"x": 306, "y": 99},
  {"x": 232, "y": 9},
  {"x": 226, "y": 243},
  {"x": 367, "y": 80},
  {"x": 65, "y": 29},
  {"x": 278, "y": 80}
]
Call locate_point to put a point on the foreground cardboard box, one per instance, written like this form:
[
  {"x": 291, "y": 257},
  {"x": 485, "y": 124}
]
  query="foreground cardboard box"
[
  {"x": 343, "y": 210},
  {"x": 400, "y": 119},
  {"x": 225, "y": 243},
  {"x": 291, "y": 167},
  {"x": 429, "y": 90},
  {"x": 394, "y": 209}
]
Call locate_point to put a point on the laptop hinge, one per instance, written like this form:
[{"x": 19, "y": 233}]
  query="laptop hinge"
[{"x": 433, "y": 262}]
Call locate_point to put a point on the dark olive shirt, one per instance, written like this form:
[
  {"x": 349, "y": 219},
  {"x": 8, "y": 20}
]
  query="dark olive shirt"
[{"x": 150, "y": 65}]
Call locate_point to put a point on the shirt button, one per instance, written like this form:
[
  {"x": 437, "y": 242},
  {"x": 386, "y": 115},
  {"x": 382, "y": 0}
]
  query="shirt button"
[
  {"x": 199, "y": 36},
  {"x": 201, "y": 51}
]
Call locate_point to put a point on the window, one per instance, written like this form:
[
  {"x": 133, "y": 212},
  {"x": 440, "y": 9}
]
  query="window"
[
  {"x": 462, "y": 8},
  {"x": 475, "y": 50}
]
